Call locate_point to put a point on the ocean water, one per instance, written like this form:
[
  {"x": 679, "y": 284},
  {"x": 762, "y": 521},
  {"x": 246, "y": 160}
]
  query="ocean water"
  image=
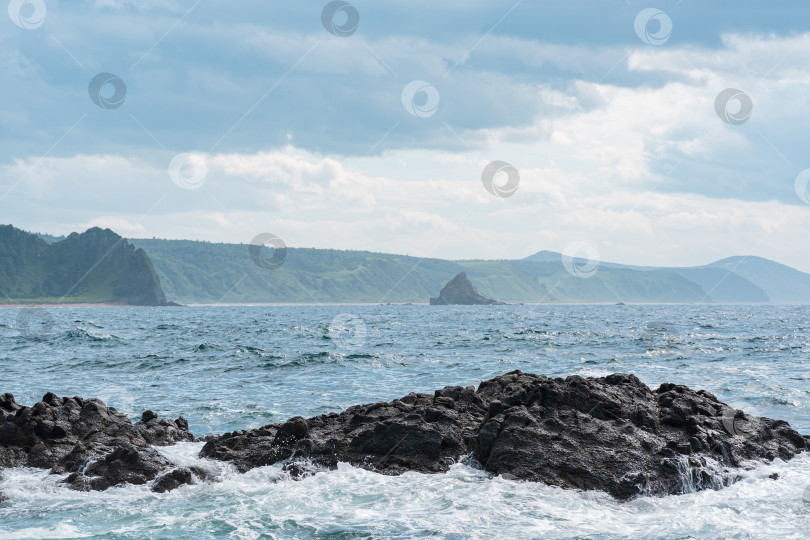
[{"x": 229, "y": 367}]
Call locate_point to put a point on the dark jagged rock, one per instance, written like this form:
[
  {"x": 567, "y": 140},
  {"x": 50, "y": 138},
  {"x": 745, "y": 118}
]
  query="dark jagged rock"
[
  {"x": 611, "y": 433},
  {"x": 133, "y": 465},
  {"x": 460, "y": 291},
  {"x": 98, "y": 444},
  {"x": 178, "y": 477},
  {"x": 125, "y": 465}
]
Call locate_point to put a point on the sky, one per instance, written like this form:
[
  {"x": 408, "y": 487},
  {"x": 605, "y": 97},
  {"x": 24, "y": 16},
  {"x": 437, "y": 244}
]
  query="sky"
[{"x": 653, "y": 133}]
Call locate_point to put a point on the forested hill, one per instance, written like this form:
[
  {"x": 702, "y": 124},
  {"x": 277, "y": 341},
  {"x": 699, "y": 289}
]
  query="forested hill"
[
  {"x": 97, "y": 266},
  {"x": 202, "y": 272},
  {"x": 100, "y": 266}
]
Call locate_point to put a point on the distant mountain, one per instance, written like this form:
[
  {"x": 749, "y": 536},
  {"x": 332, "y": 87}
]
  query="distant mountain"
[
  {"x": 782, "y": 284},
  {"x": 740, "y": 279},
  {"x": 724, "y": 286},
  {"x": 544, "y": 257},
  {"x": 100, "y": 266},
  {"x": 609, "y": 284},
  {"x": 97, "y": 266},
  {"x": 202, "y": 272},
  {"x": 50, "y": 238}
]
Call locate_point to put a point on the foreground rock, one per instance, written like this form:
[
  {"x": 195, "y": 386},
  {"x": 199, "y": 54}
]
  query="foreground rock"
[
  {"x": 612, "y": 434},
  {"x": 100, "y": 446},
  {"x": 460, "y": 291}
]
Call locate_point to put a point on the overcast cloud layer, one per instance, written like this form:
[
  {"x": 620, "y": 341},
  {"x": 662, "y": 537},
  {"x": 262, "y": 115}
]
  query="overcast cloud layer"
[{"x": 284, "y": 127}]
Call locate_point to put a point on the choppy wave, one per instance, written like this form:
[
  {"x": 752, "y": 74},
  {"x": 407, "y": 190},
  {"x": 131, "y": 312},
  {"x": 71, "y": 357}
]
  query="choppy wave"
[
  {"x": 226, "y": 368},
  {"x": 82, "y": 334},
  {"x": 350, "y": 502},
  {"x": 90, "y": 323}
]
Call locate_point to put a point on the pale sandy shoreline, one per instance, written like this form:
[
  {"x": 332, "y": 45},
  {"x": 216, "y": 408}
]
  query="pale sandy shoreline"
[
  {"x": 60, "y": 305},
  {"x": 281, "y": 304},
  {"x": 222, "y": 304}
]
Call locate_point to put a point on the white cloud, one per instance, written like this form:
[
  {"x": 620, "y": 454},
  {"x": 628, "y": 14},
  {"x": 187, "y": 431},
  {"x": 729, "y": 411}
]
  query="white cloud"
[
  {"x": 648, "y": 172},
  {"x": 117, "y": 224},
  {"x": 447, "y": 216}
]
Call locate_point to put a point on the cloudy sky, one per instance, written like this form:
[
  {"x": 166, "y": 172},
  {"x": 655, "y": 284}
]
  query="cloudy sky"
[{"x": 369, "y": 125}]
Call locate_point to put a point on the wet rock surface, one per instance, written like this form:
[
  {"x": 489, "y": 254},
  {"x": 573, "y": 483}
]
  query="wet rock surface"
[
  {"x": 98, "y": 445},
  {"x": 611, "y": 434},
  {"x": 178, "y": 477}
]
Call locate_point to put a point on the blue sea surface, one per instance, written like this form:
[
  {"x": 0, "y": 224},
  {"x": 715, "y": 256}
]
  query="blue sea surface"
[{"x": 240, "y": 367}]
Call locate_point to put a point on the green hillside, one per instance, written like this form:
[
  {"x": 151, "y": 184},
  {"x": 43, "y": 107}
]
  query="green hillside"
[
  {"x": 202, "y": 272},
  {"x": 100, "y": 266},
  {"x": 95, "y": 266}
]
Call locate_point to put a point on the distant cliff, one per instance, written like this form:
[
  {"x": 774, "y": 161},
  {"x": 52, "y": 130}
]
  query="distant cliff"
[{"x": 97, "y": 266}]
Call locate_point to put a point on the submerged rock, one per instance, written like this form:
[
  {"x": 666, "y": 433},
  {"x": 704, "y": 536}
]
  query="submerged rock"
[
  {"x": 178, "y": 477},
  {"x": 460, "y": 291},
  {"x": 100, "y": 446},
  {"x": 612, "y": 434}
]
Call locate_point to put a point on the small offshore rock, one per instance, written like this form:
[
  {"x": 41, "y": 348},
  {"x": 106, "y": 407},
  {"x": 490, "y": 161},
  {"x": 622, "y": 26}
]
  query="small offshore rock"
[{"x": 460, "y": 291}]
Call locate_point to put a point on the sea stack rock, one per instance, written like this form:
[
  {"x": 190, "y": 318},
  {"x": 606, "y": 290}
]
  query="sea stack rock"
[{"x": 460, "y": 291}]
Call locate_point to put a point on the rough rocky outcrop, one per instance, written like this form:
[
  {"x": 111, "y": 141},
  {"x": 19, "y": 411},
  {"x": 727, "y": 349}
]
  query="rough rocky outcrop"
[
  {"x": 612, "y": 434},
  {"x": 100, "y": 446},
  {"x": 460, "y": 291}
]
